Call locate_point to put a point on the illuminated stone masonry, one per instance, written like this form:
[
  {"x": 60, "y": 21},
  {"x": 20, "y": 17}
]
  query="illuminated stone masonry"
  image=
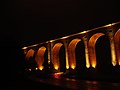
[{"x": 97, "y": 49}]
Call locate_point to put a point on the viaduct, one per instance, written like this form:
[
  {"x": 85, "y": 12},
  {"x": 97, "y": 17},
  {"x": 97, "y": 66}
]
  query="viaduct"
[{"x": 93, "y": 48}]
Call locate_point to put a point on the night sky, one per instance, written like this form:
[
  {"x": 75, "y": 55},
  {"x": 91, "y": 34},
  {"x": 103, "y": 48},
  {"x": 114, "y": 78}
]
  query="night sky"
[{"x": 33, "y": 21}]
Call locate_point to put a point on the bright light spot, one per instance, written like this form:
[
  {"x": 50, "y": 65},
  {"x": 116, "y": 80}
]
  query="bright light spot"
[
  {"x": 93, "y": 64},
  {"x": 24, "y": 48},
  {"x": 84, "y": 32},
  {"x": 67, "y": 67},
  {"x": 56, "y": 67},
  {"x": 73, "y": 66},
  {"x": 114, "y": 63},
  {"x": 41, "y": 67},
  {"x": 65, "y": 37},
  {"x": 36, "y": 68},
  {"x": 29, "y": 69},
  {"x": 48, "y": 61},
  {"x": 52, "y": 40},
  {"x": 87, "y": 65},
  {"x": 108, "y": 25}
]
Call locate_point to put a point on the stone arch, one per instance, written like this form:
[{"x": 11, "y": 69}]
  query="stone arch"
[
  {"x": 71, "y": 53},
  {"x": 117, "y": 45},
  {"x": 80, "y": 58},
  {"x": 39, "y": 58},
  {"x": 29, "y": 54},
  {"x": 55, "y": 55},
  {"x": 30, "y": 63},
  {"x": 91, "y": 46}
]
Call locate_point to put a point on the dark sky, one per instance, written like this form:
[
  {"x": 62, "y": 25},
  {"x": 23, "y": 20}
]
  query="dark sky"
[{"x": 34, "y": 21}]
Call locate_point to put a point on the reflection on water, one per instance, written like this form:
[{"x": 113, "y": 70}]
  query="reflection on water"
[
  {"x": 57, "y": 75},
  {"x": 74, "y": 84},
  {"x": 92, "y": 85}
]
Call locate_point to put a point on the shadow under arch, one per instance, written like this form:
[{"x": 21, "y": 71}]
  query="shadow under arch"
[
  {"x": 62, "y": 59},
  {"x": 92, "y": 50},
  {"x": 103, "y": 55},
  {"x": 39, "y": 58},
  {"x": 71, "y": 53},
  {"x": 117, "y": 45},
  {"x": 80, "y": 59},
  {"x": 56, "y": 56}
]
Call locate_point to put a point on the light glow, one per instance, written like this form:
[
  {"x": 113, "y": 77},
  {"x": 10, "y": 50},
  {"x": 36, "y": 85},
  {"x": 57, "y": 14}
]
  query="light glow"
[
  {"x": 24, "y": 48},
  {"x": 67, "y": 66},
  {"x": 40, "y": 57},
  {"x": 41, "y": 68},
  {"x": 113, "y": 54},
  {"x": 57, "y": 75},
  {"x": 93, "y": 64},
  {"x": 36, "y": 68},
  {"x": 117, "y": 45},
  {"x": 73, "y": 66},
  {"x": 88, "y": 65},
  {"x": 108, "y": 25},
  {"x": 55, "y": 55},
  {"x": 56, "y": 67},
  {"x": 29, "y": 69},
  {"x": 87, "y": 55},
  {"x": 66, "y": 53}
]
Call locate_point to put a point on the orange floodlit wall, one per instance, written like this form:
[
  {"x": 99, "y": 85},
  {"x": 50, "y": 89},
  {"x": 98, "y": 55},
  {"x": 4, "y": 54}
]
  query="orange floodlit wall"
[
  {"x": 71, "y": 53},
  {"x": 29, "y": 54},
  {"x": 117, "y": 45},
  {"x": 40, "y": 57},
  {"x": 55, "y": 55}
]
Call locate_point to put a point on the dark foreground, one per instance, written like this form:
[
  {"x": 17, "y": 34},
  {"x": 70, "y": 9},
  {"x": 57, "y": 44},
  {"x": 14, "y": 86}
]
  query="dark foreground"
[{"x": 34, "y": 83}]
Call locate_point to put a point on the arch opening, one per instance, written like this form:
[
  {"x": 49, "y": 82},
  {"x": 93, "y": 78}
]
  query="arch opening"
[
  {"x": 91, "y": 46},
  {"x": 55, "y": 56},
  {"x": 71, "y": 53},
  {"x": 30, "y": 62},
  {"x": 62, "y": 57},
  {"x": 103, "y": 55},
  {"x": 80, "y": 59},
  {"x": 40, "y": 57},
  {"x": 29, "y": 54}
]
